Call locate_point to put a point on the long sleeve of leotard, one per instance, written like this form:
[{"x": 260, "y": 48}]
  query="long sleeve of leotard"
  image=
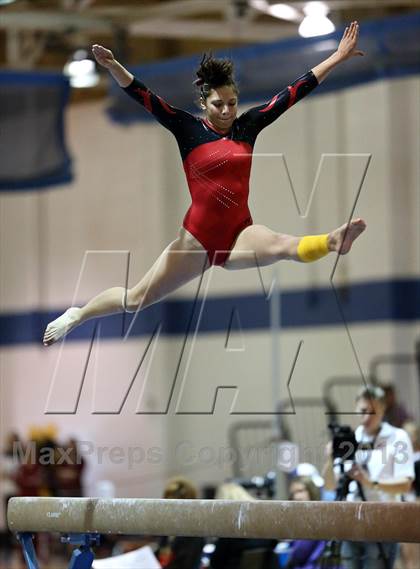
[
  {"x": 170, "y": 117},
  {"x": 261, "y": 116}
]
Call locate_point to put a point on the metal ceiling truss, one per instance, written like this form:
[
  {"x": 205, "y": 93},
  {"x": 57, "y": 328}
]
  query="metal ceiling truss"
[{"x": 28, "y": 23}]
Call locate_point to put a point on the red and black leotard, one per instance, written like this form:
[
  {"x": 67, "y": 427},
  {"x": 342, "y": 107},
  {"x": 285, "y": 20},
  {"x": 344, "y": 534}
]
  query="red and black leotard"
[{"x": 218, "y": 166}]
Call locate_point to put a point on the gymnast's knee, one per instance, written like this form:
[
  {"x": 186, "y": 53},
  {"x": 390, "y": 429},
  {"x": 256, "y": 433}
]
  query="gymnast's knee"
[{"x": 131, "y": 300}]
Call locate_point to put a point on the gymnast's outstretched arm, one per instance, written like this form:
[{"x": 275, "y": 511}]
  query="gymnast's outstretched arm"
[
  {"x": 170, "y": 117},
  {"x": 106, "y": 58},
  {"x": 261, "y": 116},
  {"x": 346, "y": 49}
]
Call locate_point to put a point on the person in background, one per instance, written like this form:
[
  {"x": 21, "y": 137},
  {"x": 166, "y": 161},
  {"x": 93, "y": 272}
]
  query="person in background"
[
  {"x": 30, "y": 477},
  {"x": 413, "y": 431},
  {"x": 410, "y": 552},
  {"x": 33, "y": 478},
  {"x": 229, "y": 552},
  {"x": 308, "y": 470},
  {"x": 35, "y": 475},
  {"x": 384, "y": 472},
  {"x": 303, "y": 553},
  {"x": 180, "y": 552},
  {"x": 68, "y": 471},
  {"x": 395, "y": 412},
  {"x": 303, "y": 488},
  {"x": 8, "y": 468}
]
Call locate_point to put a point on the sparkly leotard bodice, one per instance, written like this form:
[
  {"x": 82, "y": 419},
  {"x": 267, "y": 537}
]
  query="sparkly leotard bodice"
[{"x": 218, "y": 166}]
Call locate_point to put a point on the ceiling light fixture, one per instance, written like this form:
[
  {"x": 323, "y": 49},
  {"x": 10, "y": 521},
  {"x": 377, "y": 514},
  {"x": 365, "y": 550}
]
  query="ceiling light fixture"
[
  {"x": 284, "y": 12},
  {"x": 316, "y": 22},
  {"x": 81, "y": 70},
  {"x": 279, "y": 10}
]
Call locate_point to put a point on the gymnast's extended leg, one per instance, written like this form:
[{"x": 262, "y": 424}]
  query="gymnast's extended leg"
[
  {"x": 257, "y": 243},
  {"x": 170, "y": 271}
]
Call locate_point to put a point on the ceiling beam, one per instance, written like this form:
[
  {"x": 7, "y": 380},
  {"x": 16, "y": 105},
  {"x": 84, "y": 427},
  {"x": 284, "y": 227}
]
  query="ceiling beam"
[
  {"x": 155, "y": 20},
  {"x": 226, "y": 30},
  {"x": 235, "y": 31},
  {"x": 53, "y": 20},
  {"x": 360, "y": 4},
  {"x": 168, "y": 9}
]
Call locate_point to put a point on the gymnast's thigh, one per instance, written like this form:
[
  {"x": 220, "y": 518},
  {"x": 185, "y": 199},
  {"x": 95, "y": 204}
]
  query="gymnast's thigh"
[{"x": 181, "y": 261}]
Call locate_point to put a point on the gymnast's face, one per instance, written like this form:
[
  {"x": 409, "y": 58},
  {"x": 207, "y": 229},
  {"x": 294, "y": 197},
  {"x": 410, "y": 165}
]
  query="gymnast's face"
[{"x": 221, "y": 107}]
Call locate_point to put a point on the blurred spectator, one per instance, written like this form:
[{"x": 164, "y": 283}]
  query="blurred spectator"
[
  {"x": 180, "y": 552},
  {"x": 35, "y": 475},
  {"x": 233, "y": 491},
  {"x": 309, "y": 471},
  {"x": 413, "y": 431},
  {"x": 68, "y": 470},
  {"x": 30, "y": 475},
  {"x": 32, "y": 480},
  {"x": 410, "y": 552},
  {"x": 303, "y": 488},
  {"x": 303, "y": 553},
  {"x": 395, "y": 412},
  {"x": 43, "y": 468},
  {"x": 8, "y": 468},
  {"x": 180, "y": 488},
  {"x": 382, "y": 474},
  {"x": 229, "y": 552}
]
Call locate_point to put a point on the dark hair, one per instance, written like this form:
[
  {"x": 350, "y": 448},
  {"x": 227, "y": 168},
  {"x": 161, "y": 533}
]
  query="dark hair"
[
  {"x": 180, "y": 488},
  {"x": 371, "y": 392},
  {"x": 213, "y": 73}
]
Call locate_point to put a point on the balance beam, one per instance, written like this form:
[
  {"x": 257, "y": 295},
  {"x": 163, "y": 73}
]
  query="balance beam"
[{"x": 361, "y": 521}]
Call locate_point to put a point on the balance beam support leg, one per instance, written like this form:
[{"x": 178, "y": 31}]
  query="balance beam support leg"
[{"x": 28, "y": 549}]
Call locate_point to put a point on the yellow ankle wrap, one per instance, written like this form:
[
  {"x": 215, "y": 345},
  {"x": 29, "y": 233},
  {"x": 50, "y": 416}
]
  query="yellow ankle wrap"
[{"x": 312, "y": 247}]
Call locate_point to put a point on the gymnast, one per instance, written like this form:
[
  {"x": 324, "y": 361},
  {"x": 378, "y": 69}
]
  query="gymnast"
[{"x": 216, "y": 152}]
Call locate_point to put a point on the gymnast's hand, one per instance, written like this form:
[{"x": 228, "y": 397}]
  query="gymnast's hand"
[
  {"x": 103, "y": 56},
  {"x": 348, "y": 44}
]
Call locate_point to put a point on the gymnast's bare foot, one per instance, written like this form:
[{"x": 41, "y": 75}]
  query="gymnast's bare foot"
[
  {"x": 341, "y": 239},
  {"x": 61, "y": 326}
]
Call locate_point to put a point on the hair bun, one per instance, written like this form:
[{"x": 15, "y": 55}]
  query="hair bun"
[{"x": 214, "y": 72}]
